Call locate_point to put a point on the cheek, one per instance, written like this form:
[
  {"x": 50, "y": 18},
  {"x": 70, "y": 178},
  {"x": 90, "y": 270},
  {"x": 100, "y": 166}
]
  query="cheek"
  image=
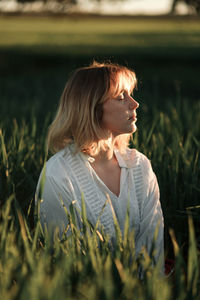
[
  {"x": 113, "y": 114},
  {"x": 105, "y": 119},
  {"x": 107, "y": 116},
  {"x": 106, "y": 111}
]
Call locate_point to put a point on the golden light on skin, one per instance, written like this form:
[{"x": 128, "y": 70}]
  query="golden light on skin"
[
  {"x": 119, "y": 115},
  {"x": 119, "y": 111}
]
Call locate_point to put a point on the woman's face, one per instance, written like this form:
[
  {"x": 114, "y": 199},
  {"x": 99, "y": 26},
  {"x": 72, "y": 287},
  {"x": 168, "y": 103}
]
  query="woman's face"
[{"x": 119, "y": 113}]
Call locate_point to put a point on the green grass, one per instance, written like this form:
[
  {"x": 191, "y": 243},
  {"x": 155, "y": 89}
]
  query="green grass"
[
  {"x": 83, "y": 266},
  {"x": 83, "y": 36},
  {"x": 36, "y": 57},
  {"x": 83, "y": 31}
]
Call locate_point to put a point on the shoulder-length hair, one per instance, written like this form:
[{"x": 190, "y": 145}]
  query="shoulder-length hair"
[{"x": 79, "y": 115}]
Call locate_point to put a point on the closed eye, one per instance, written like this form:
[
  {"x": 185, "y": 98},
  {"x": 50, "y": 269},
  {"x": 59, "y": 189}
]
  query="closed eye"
[
  {"x": 124, "y": 95},
  {"x": 121, "y": 96}
]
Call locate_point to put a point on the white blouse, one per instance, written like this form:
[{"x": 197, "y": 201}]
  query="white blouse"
[{"x": 70, "y": 176}]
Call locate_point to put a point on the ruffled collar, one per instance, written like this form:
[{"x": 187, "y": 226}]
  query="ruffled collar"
[{"x": 126, "y": 160}]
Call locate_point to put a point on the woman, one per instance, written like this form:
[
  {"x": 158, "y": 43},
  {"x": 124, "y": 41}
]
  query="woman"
[{"x": 90, "y": 134}]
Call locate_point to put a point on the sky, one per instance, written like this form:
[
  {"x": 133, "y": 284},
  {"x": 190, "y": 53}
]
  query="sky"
[{"x": 132, "y": 7}]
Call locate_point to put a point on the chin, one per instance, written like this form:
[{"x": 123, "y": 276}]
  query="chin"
[{"x": 133, "y": 129}]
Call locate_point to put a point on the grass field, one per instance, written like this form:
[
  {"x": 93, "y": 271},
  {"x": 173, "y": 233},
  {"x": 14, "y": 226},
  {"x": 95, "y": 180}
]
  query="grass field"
[
  {"x": 36, "y": 58},
  {"x": 102, "y": 35}
]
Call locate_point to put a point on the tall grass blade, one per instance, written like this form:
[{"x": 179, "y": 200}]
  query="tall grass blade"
[
  {"x": 193, "y": 262},
  {"x": 119, "y": 241},
  {"x": 4, "y": 154},
  {"x": 24, "y": 236},
  {"x": 180, "y": 269}
]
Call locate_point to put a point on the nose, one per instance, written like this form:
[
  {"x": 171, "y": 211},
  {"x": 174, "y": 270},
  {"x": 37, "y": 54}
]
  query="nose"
[{"x": 133, "y": 103}]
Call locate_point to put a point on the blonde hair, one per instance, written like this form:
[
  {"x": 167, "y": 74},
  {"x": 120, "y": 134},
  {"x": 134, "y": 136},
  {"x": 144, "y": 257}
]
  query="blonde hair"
[{"x": 78, "y": 119}]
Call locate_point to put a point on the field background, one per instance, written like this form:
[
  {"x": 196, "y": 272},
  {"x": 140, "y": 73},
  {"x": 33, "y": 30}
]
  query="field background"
[{"x": 37, "y": 54}]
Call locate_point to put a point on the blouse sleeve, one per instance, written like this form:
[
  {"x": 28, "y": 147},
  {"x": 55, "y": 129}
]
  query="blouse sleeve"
[
  {"x": 55, "y": 197},
  {"x": 151, "y": 225}
]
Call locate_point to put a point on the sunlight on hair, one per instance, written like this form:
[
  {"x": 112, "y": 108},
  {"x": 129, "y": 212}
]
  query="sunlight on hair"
[{"x": 79, "y": 115}]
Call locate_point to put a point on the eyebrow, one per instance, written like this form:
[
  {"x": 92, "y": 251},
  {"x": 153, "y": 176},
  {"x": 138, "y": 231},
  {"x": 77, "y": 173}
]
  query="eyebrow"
[{"x": 127, "y": 91}]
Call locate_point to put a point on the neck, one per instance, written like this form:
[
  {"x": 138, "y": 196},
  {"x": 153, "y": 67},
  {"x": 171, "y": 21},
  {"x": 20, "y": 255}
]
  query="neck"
[
  {"x": 104, "y": 156},
  {"x": 106, "y": 153}
]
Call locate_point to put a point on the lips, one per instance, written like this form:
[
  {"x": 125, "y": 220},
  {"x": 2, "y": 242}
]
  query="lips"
[{"x": 133, "y": 118}]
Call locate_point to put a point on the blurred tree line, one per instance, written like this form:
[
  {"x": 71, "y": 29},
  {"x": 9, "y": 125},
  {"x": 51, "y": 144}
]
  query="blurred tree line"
[
  {"x": 194, "y": 3},
  {"x": 72, "y": 2}
]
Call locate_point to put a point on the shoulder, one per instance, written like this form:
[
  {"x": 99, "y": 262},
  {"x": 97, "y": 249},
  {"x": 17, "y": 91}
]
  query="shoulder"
[
  {"x": 133, "y": 158},
  {"x": 58, "y": 166},
  {"x": 55, "y": 163},
  {"x": 139, "y": 165}
]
